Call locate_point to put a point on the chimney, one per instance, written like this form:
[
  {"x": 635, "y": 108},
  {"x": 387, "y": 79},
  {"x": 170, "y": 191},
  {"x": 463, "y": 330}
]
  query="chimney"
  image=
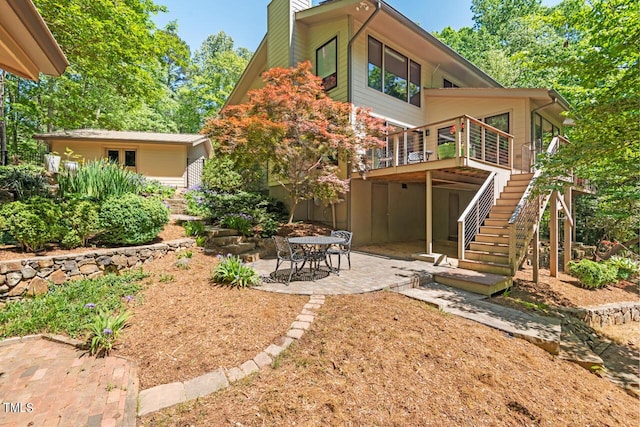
[{"x": 283, "y": 32}]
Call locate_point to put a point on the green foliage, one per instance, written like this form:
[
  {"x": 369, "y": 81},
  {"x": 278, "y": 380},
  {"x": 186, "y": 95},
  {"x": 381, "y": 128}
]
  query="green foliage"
[
  {"x": 185, "y": 254},
  {"x": 625, "y": 267},
  {"x": 231, "y": 271},
  {"x": 201, "y": 241},
  {"x": 154, "y": 188},
  {"x": 219, "y": 174},
  {"x": 240, "y": 222},
  {"x": 131, "y": 219},
  {"x": 23, "y": 181},
  {"x": 194, "y": 228},
  {"x": 593, "y": 274},
  {"x": 69, "y": 308},
  {"x": 81, "y": 219},
  {"x": 105, "y": 329},
  {"x": 33, "y": 223},
  {"x": 99, "y": 180}
]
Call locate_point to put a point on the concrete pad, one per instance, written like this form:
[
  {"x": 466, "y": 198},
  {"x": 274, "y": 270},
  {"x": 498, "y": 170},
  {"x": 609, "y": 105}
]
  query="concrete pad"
[
  {"x": 205, "y": 384},
  {"x": 160, "y": 397}
]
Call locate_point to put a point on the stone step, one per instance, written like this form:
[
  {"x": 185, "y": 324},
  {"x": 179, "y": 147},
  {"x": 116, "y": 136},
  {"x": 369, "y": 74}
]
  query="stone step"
[
  {"x": 224, "y": 241},
  {"x": 573, "y": 349},
  {"x": 213, "y": 232},
  {"x": 235, "y": 249}
]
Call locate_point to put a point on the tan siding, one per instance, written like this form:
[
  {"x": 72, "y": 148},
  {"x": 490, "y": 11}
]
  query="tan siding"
[
  {"x": 384, "y": 105},
  {"x": 280, "y": 31},
  {"x": 319, "y": 35}
]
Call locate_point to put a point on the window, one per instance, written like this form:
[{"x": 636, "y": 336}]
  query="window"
[
  {"x": 392, "y": 73},
  {"x": 500, "y": 121},
  {"x": 125, "y": 157},
  {"x": 447, "y": 83},
  {"x": 327, "y": 64}
]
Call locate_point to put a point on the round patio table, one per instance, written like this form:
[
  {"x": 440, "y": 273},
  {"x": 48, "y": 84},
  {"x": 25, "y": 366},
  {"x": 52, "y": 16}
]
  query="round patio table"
[{"x": 315, "y": 249}]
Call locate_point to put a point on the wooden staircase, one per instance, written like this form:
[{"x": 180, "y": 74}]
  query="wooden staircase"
[{"x": 489, "y": 251}]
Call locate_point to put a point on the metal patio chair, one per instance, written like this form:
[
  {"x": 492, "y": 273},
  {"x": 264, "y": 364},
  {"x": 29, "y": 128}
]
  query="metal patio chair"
[
  {"x": 286, "y": 253},
  {"x": 342, "y": 248}
]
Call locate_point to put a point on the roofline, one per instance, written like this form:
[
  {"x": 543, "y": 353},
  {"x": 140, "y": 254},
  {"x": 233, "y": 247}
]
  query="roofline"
[
  {"x": 553, "y": 95},
  {"x": 65, "y": 136},
  {"x": 319, "y": 9},
  {"x": 247, "y": 69},
  {"x": 38, "y": 29}
]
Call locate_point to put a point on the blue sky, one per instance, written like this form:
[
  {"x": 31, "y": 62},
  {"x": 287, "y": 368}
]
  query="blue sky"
[{"x": 246, "y": 20}]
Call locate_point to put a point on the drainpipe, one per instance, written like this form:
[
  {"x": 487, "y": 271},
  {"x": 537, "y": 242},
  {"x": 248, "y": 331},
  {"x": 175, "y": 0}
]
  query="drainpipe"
[{"x": 350, "y": 89}]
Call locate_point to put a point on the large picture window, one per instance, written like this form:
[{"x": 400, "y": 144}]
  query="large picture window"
[
  {"x": 392, "y": 73},
  {"x": 327, "y": 63}
]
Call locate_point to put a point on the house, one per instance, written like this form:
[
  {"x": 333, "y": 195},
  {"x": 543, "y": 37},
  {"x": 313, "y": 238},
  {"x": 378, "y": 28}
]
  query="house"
[
  {"x": 173, "y": 159},
  {"x": 460, "y": 155}
]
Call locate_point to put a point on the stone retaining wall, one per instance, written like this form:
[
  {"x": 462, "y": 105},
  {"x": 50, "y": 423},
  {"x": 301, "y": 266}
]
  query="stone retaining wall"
[
  {"x": 33, "y": 276},
  {"x": 609, "y": 314}
]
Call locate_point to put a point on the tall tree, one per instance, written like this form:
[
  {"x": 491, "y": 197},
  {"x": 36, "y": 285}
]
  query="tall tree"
[{"x": 301, "y": 133}]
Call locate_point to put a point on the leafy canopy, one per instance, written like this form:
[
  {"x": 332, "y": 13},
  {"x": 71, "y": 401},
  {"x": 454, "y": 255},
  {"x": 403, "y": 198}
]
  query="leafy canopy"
[{"x": 302, "y": 133}]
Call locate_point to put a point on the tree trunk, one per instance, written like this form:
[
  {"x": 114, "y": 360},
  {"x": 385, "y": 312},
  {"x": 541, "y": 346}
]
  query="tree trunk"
[
  {"x": 294, "y": 204},
  {"x": 618, "y": 247}
]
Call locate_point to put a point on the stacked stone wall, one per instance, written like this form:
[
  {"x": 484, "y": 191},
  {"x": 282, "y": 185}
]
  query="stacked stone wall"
[
  {"x": 609, "y": 314},
  {"x": 33, "y": 276}
]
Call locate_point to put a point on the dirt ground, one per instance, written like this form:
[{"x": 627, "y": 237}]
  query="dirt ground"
[{"x": 372, "y": 359}]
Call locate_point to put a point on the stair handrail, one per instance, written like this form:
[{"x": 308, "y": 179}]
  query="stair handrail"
[
  {"x": 476, "y": 212},
  {"x": 525, "y": 217}
]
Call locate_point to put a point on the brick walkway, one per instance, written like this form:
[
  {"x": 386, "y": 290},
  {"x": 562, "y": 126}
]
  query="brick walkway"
[{"x": 52, "y": 383}]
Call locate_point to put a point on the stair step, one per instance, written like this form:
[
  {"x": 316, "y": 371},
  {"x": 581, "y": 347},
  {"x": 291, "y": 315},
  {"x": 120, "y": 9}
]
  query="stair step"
[
  {"x": 483, "y": 284},
  {"x": 507, "y": 202},
  {"x": 225, "y": 240},
  {"x": 496, "y": 222},
  {"x": 489, "y": 247},
  {"x": 230, "y": 249},
  {"x": 221, "y": 232},
  {"x": 508, "y": 195},
  {"x": 484, "y": 256},
  {"x": 501, "y": 208},
  {"x": 499, "y": 231},
  {"x": 485, "y": 267},
  {"x": 499, "y": 215},
  {"x": 492, "y": 238},
  {"x": 521, "y": 177},
  {"x": 250, "y": 256}
]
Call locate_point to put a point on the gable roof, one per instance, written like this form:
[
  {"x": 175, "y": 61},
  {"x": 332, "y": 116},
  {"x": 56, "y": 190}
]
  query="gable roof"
[
  {"x": 27, "y": 47},
  {"x": 129, "y": 136},
  {"x": 437, "y": 51}
]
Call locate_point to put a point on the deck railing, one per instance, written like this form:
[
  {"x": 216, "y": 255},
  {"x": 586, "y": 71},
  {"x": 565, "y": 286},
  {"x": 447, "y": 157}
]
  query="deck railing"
[
  {"x": 526, "y": 216},
  {"x": 462, "y": 136},
  {"x": 476, "y": 212}
]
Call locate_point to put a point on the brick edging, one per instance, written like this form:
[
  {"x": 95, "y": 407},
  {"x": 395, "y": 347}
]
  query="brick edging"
[{"x": 166, "y": 395}]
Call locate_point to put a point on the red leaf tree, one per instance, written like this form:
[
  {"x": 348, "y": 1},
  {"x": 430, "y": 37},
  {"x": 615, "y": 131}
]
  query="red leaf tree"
[{"x": 294, "y": 127}]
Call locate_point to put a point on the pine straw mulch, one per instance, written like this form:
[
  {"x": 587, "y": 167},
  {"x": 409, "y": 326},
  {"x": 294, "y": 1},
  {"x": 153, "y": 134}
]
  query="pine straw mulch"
[{"x": 381, "y": 359}]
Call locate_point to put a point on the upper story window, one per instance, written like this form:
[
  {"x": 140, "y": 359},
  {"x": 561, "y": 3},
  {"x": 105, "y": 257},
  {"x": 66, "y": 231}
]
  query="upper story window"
[
  {"x": 392, "y": 73},
  {"x": 327, "y": 63},
  {"x": 447, "y": 83}
]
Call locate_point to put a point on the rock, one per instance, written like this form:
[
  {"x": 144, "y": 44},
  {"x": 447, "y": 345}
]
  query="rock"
[
  {"x": 87, "y": 269},
  {"x": 12, "y": 266},
  {"x": 3, "y": 279},
  {"x": 38, "y": 286},
  {"x": 28, "y": 272},
  {"x": 132, "y": 260},
  {"x": 18, "y": 289},
  {"x": 44, "y": 272},
  {"x": 119, "y": 260},
  {"x": 58, "y": 277},
  {"x": 103, "y": 260},
  {"x": 13, "y": 279},
  {"x": 69, "y": 265},
  {"x": 183, "y": 263},
  {"x": 45, "y": 263}
]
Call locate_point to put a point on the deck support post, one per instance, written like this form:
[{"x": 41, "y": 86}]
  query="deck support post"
[
  {"x": 553, "y": 235},
  {"x": 568, "y": 226},
  {"x": 429, "y": 245},
  {"x": 535, "y": 254}
]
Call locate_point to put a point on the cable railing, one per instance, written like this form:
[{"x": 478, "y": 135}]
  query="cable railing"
[
  {"x": 527, "y": 213},
  {"x": 459, "y": 137},
  {"x": 476, "y": 212}
]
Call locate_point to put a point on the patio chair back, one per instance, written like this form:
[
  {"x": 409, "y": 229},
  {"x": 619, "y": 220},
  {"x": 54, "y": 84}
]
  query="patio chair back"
[
  {"x": 342, "y": 248},
  {"x": 284, "y": 252}
]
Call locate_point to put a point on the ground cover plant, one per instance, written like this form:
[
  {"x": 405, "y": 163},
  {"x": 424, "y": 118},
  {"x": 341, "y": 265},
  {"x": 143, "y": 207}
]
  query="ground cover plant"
[{"x": 70, "y": 308}]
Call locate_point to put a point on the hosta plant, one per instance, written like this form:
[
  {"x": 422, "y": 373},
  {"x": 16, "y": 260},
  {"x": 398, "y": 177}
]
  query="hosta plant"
[{"x": 231, "y": 271}]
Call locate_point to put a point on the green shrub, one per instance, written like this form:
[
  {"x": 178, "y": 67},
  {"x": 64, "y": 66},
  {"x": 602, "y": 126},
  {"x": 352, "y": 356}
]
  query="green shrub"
[
  {"x": 131, "y": 219},
  {"x": 33, "y": 223},
  {"x": 98, "y": 181},
  {"x": 234, "y": 273},
  {"x": 219, "y": 174},
  {"x": 593, "y": 274},
  {"x": 194, "y": 228},
  {"x": 105, "y": 329},
  {"x": 241, "y": 222},
  {"x": 626, "y": 268},
  {"x": 81, "y": 221},
  {"x": 154, "y": 188},
  {"x": 24, "y": 181}
]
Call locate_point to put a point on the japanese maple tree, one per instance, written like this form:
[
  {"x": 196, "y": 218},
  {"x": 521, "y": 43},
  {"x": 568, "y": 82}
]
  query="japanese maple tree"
[{"x": 294, "y": 127}]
